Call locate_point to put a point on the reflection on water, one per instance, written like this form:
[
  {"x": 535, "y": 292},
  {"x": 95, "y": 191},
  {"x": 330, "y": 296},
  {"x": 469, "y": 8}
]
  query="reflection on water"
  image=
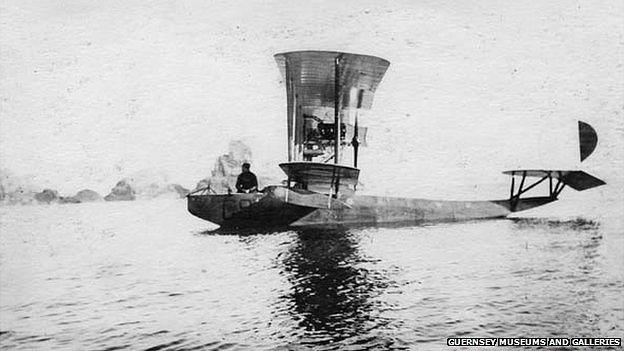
[
  {"x": 130, "y": 277},
  {"x": 333, "y": 291}
]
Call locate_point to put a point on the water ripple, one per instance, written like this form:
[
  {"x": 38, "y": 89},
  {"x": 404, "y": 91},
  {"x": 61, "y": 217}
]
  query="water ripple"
[{"x": 159, "y": 288}]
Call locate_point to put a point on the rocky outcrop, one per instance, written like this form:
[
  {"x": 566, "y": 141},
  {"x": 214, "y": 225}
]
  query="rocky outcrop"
[
  {"x": 47, "y": 196},
  {"x": 16, "y": 190},
  {"x": 87, "y": 195},
  {"x": 143, "y": 185},
  {"x": 227, "y": 168},
  {"x": 18, "y": 196},
  {"x": 180, "y": 190},
  {"x": 121, "y": 192},
  {"x": 68, "y": 200},
  {"x": 147, "y": 184}
]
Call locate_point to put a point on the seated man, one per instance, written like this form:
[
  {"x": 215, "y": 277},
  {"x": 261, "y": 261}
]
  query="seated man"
[{"x": 246, "y": 182}]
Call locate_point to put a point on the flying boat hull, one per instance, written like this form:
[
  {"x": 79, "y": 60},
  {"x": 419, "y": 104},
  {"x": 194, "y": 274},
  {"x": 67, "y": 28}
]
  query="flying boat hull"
[{"x": 273, "y": 208}]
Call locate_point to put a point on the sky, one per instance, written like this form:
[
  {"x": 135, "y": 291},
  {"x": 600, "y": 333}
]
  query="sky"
[{"x": 93, "y": 91}]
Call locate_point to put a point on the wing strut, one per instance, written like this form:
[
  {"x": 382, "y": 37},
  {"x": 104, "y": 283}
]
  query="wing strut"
[
  {"x": 355, "y": 141},
  {"x": 337, "y": 108}
]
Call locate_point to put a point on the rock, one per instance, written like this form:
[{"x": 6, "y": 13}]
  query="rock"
[
  {"x": 121, "y": 192},
  {"x": 227, "y": 168},
  {"x": 146, "y": 184},
  {"x": 19, "y": 196},
  {"x": 87, "y": 195},
  {"x": 68, "y": 200},
  {"x": 15, "y": 190},
  {"x": 179, "y": 189},
  {"x": 202, "y": 184},
  {"x": 218, "y": 184},
  {"x": 47, "y": 196},
  {"x": 237, "y": 150}
]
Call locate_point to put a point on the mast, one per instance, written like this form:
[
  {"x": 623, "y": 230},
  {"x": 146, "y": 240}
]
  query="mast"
[
  {"x": 295, "y": 126},
  {"x": 337, "y": 109}
]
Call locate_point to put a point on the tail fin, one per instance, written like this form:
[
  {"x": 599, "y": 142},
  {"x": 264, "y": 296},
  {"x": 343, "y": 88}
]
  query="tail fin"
[
  {"x": 587, "y": 139},
  {"x": 575, "y": 179}
]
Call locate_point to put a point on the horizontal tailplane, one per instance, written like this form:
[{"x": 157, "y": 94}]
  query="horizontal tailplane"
[{"x": 579, "y": 180}]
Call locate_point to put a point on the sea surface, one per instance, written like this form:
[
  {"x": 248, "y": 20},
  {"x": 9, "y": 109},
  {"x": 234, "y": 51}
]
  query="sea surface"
[{"x": 146, "y": 275}]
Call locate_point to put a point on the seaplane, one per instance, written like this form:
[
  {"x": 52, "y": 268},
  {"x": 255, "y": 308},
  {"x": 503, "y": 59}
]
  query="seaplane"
[{"x": 325, "y": 93}]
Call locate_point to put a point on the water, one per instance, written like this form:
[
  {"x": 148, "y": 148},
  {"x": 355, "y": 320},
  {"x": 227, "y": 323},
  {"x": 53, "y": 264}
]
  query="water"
[{"x": 148, "y": 276}]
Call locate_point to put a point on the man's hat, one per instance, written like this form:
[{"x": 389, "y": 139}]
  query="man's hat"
[{"x": 246, "y": 165}]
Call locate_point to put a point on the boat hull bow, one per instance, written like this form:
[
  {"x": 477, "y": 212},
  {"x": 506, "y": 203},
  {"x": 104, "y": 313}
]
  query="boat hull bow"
[{"x": 255, "y": 210}]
